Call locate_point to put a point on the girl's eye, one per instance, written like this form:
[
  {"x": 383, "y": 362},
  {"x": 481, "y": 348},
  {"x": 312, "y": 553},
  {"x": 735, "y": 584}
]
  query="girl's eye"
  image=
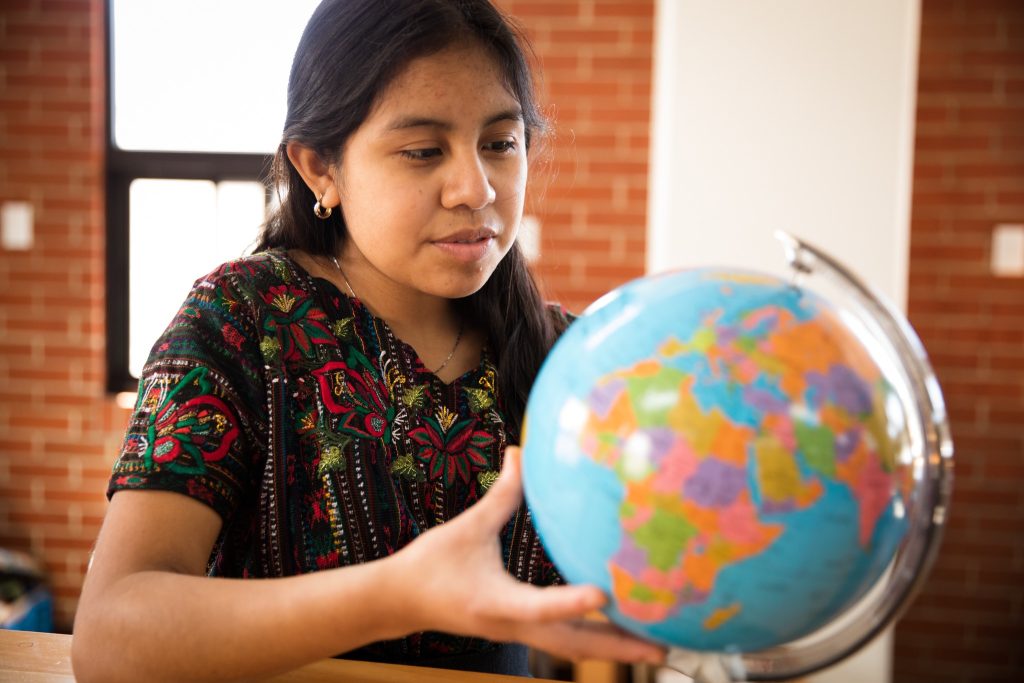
[
  {"x": 421, "y": 154},
  {"x": 501, "y": 146}
]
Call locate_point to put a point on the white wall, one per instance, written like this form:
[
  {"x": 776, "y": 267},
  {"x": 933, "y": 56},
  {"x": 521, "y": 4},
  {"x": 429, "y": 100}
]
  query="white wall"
[
  {"x": 794, "y": 115},
  {"x": 790, "y": 114}
]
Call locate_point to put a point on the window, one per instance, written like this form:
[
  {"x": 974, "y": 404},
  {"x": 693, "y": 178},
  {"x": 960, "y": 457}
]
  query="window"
[{"x": 196, "y": 107}]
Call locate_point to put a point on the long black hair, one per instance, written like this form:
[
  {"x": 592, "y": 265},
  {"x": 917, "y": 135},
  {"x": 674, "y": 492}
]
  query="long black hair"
[{"x": 348, "y": 54}]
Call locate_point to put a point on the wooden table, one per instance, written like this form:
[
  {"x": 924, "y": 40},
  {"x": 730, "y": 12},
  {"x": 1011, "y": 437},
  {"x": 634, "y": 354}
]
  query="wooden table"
[{"x": 27, "y": 657}]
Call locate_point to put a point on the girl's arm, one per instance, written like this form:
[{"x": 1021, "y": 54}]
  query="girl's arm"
[{"x": 148, "y": 612}]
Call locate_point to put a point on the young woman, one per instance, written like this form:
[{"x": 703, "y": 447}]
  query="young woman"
[{"x": 332, "y": 412}]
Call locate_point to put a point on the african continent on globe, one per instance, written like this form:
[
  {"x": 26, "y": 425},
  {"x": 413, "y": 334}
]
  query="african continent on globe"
[{"x": 722, "y": 453}]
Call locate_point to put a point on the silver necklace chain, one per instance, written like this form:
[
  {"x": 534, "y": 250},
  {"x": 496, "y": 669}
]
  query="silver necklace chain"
[{"x": 458, "y": 337}]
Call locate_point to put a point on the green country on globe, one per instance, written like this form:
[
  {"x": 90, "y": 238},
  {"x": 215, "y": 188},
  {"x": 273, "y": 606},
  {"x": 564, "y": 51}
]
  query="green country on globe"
[{"x": 721, "y": 452}]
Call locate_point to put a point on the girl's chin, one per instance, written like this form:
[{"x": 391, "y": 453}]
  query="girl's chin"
[{"x": 466, "y": 286}]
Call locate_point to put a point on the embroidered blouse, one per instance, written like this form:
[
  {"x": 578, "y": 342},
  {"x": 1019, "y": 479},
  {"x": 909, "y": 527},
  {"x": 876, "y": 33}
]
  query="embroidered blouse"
[{"x": 319, "y": 437}]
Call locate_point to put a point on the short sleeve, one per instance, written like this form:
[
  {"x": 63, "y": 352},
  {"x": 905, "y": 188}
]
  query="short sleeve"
[
  {"x": 561, "y": 318},
  {"x": 196, "y": 427}
]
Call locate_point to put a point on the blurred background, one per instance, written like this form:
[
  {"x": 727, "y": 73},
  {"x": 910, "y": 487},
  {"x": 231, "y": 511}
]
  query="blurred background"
[{"x": 889, "y": 132}]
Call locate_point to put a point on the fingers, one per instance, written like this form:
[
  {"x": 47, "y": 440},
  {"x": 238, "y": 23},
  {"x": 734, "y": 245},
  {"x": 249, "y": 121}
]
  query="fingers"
[
  {"x": 510, "y": 468},
  {"x": 504, "y": 497},
  {"x": 521, "y": 602},
  {"x": 593, "y": 640}
]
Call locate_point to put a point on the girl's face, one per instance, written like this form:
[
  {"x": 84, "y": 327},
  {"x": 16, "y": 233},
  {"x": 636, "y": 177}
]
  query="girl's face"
[{"x": 432, "y": 183}]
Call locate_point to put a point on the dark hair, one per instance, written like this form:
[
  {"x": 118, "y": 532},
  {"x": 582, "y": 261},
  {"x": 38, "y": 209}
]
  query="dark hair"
[{"x": 348, "y": 54}]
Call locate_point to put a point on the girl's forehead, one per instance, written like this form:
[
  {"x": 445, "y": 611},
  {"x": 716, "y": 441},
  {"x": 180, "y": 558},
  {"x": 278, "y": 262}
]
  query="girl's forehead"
[{"x": 460, "y": 80}]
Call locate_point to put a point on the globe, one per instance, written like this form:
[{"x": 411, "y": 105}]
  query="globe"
[{"x": 741, "y": 462}]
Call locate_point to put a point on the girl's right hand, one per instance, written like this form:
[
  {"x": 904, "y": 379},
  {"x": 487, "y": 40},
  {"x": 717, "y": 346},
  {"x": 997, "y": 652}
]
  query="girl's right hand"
[{"x": 456, "y": 583}]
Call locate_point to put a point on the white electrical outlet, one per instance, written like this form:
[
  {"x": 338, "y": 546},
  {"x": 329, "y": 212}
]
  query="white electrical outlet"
[
  {"x": 1008, "y": 250},
  {"x": 16, "y": 226}
]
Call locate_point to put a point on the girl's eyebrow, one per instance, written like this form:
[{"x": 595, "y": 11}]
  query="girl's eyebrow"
[{"x": 405, "y": 122}]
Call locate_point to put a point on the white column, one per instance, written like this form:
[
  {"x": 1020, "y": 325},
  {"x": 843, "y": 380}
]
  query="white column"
[{"x": 794, "y": 115}]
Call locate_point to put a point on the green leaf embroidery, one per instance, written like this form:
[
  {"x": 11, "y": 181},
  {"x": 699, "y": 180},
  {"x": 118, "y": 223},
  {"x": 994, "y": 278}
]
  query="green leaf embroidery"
[
  {"x": 332, "y": 450},
  {"x": 332, "y": 459},
  {"x": 405, "y": 466},
  {"x": 479, "y": 399},
  {"x": 487, "y": 478},
  {"x": 270, "y": 348},
  {"x": 357, "y": 360},
  {"x": 413, "y": 397},
  {"x": 343, "y": 328},
  {"x": 437, "y": 465}
]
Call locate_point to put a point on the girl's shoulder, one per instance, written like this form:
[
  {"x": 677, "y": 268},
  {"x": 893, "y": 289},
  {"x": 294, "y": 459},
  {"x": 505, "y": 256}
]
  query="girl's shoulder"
[
  {"x": 273, "y": 264},
  {"x": 257, "y": 276}
]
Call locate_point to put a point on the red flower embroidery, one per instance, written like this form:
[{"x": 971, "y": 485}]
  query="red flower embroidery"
[
  {"x": 232, "y": 336},
  {"x": 201, "y": 428},
  {"x": 353, "y": 391},
  {"x": 296, "y": 321},
  {"x": 459, "y": 451}
]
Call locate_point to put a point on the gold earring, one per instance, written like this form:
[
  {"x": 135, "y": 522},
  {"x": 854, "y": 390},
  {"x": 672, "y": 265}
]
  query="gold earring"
[{"x": 320, "y": 211}]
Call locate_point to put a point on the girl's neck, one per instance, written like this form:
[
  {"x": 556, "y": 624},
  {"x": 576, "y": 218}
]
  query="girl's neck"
[
  {"x": 447, "y": 345},
  {"x": 403, "y": 309}
]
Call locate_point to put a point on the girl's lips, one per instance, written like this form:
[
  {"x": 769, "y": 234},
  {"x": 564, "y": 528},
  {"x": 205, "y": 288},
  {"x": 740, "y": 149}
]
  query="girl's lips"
[
  {"x": 466, "y": 252},
  {"x": 469, "y": 235}
]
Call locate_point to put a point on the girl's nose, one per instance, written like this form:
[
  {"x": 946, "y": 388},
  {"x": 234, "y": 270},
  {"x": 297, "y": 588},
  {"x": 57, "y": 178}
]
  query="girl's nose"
[{"x": 467, "y": 185}]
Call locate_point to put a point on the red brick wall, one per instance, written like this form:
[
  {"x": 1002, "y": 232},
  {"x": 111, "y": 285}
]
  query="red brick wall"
[
  {"x": 968, "y": 623},
  {"x": 591, "y": 195},
  {"x": 59, "y": 432},
  {"x": 57, "y": 428}
]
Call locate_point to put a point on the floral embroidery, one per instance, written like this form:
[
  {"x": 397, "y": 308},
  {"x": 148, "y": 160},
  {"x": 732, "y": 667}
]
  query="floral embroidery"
[
  {"x": 231, "y": 304},
  {"x": 488, "y": 381},
  {"x": 202, "y": 428},
  {"x": 307, "y": 421},
  {"x": 135, "y": 443},
  {"x": 129, "y": 480},
  {"x": 479, "y": 399},
  {"x": 445, "y": 418},
  {"x": 232, "y": 336},
  {"x": 395, "y": 379},
  {"x": 343, "y": 328},
  {"x": 415, "y": 396},
  {"x": 281, "y": 271},
  {"x": 457, "y": 451},
  {"x": 332, "y": 450},
  {"x": 331, "y": 458},
  {"x": 270, "y": 348},
  {"x": 406, "y": 467},
  {"x": 282, "y": 301},
  {"x": 353, "y": 391},
  {"x": 298, "y": 323}
]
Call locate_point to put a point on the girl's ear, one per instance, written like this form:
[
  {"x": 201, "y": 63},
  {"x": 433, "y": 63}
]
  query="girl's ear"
[{"x": 318, "y": 176}]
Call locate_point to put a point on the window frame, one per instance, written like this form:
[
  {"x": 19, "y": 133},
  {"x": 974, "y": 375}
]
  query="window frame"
[{"x": 121, "y": 167}]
